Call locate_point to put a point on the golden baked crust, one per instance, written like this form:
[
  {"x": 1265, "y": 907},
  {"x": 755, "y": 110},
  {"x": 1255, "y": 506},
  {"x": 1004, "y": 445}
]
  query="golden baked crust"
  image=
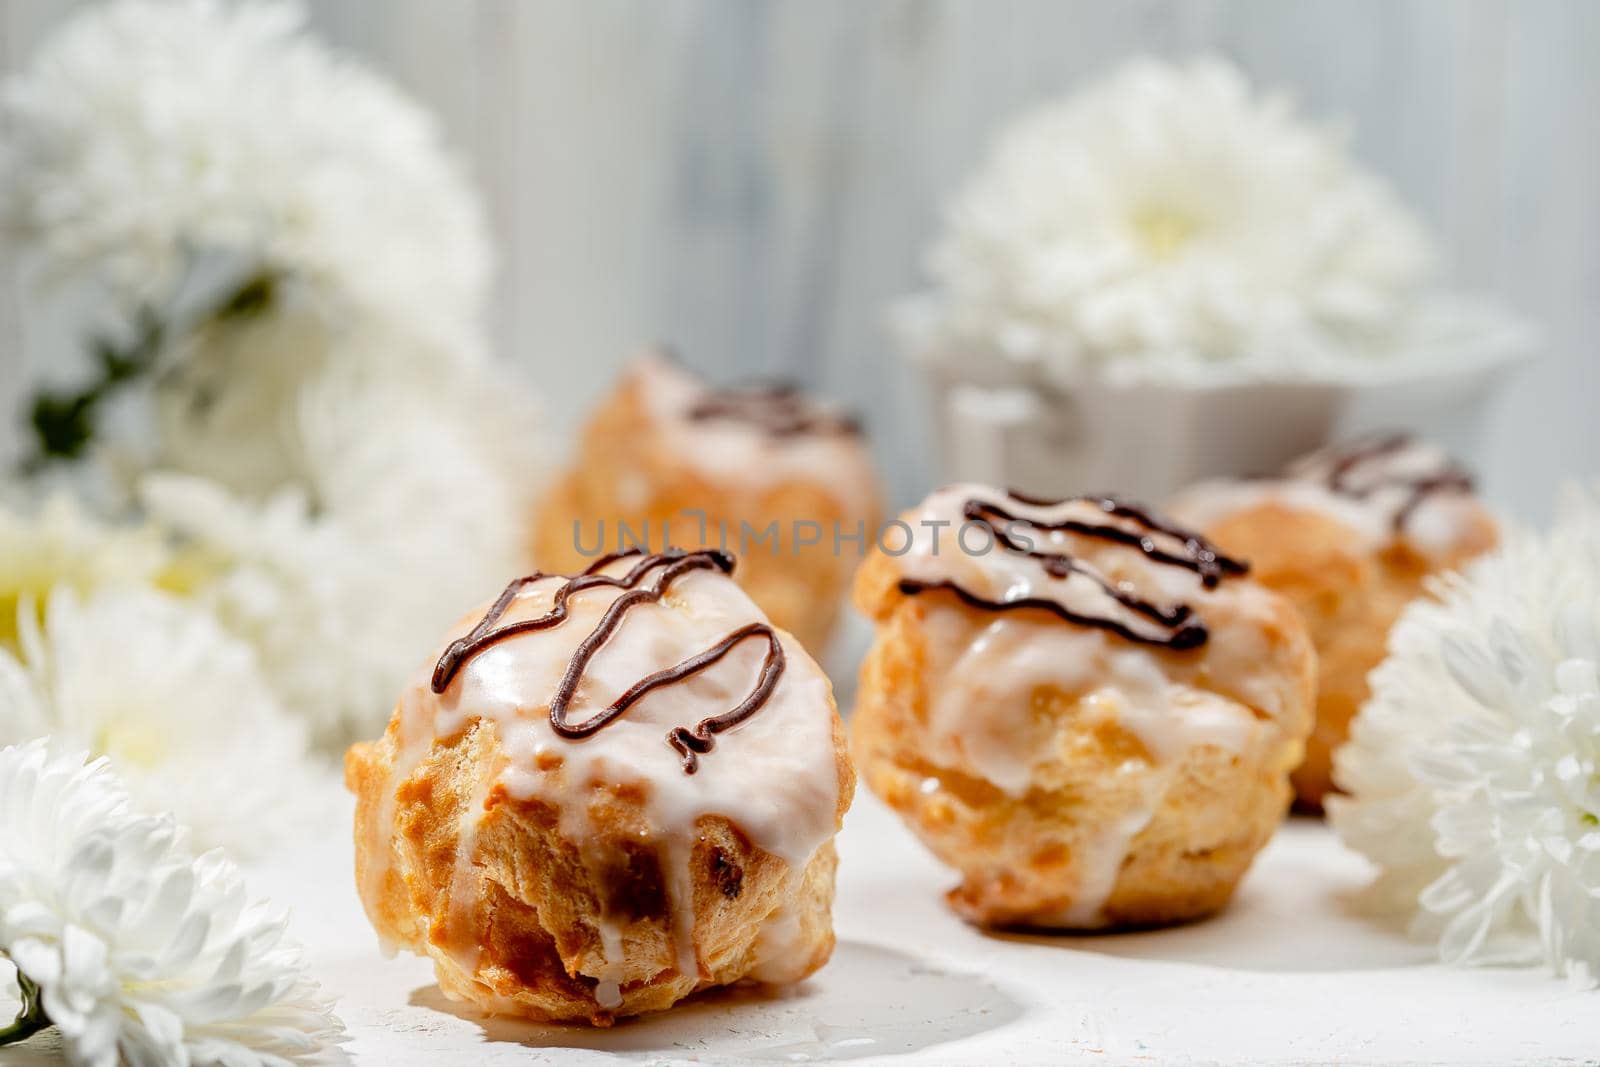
[
  {"x": 627, "y": 472},
  {"x": 1349, "y": 595},
  {"x": 1030, "y": 859},
  {"x": 513, "y": 911}
]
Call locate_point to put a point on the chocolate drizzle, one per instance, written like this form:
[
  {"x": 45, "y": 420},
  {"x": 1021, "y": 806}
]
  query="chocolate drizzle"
[
  {"x": 690, "y": 743},
  {"x": 1184, "y": 632},
  {"x": 778, "y": 409},
  {"x": 1199, "y": 555},
  {"x": 1348, "y": 462},
  {"x": 1176, "y": 627}
]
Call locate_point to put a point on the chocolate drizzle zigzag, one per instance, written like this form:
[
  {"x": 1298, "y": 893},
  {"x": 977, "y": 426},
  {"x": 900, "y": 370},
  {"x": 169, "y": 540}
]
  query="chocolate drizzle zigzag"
[
  {"x": 1199, "y": 555},
  {"x": 1176, "y": 627},
  {"x": 1352, "y": 459},
  {"x": 690, "y": 743},
  {"x": 778, "y": 409}
]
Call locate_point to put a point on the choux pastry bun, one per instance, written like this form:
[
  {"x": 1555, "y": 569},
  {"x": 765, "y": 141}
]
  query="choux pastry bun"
[
  {"x": 606, "y": 792},
  {"x": 764, "y": 471},
  {"x": 1088, "y": 712},
  {"x": 1349, "y": 534}
]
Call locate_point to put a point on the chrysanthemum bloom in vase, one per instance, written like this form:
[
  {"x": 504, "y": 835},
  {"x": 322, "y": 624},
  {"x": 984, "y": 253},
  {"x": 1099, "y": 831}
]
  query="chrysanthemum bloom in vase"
[{"x": 1171, "y": 274}]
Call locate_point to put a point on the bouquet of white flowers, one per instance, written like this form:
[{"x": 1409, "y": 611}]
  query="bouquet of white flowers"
[
  {"x": 313, "y": 464},
  {"x": 303, "y": 466}
]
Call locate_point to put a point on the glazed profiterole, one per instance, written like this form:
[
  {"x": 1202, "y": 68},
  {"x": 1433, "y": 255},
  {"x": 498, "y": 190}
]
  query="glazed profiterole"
[
  {"x": 761, "y": 469},
  {"x": 1087, "y": 711},
  {"x": 606, "y": 792},
  {"x": 1350, "y": 534}
]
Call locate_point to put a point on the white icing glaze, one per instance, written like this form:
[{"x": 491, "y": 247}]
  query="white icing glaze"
[
  {"x": 608, "y": 990},
  {"x": 1207, "y": 503},
  {"x": 414, "y": 737},
  {"x": 735, "y": 452},
  {"x": 608, "y": 994},
  {"x": 781, "y": 949},
  {"x": 465, "y": 950},
  {"x": 1439, "y": 526},
  {"x": 1101, "y": 863},
  {"x": 942, "y": 548},
  {"x": 773, "y": 775},
  {"x": 982, "y": 719},
  {"x": 999, "y": 746}
]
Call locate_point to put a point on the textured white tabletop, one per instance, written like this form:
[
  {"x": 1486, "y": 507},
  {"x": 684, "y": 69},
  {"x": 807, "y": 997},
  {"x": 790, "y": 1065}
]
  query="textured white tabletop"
[{"x": 1290, "y": 974}]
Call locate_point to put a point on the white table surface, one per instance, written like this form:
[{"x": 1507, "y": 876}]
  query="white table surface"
[{"x": 1290, "y": 974}]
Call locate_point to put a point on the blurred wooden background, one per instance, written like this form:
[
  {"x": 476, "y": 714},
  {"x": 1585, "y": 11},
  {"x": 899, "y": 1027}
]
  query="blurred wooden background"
[{"x": 754, "y": 181}]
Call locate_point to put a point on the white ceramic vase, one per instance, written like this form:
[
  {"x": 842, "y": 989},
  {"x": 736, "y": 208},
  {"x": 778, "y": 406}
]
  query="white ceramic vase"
[{"x": 1147, "y": 441}]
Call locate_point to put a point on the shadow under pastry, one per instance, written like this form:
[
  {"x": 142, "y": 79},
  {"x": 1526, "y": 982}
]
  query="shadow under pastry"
[{"x": 876, "y": 1001}]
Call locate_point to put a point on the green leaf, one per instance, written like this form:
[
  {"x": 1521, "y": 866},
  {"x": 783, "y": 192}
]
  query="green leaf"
[
  {"x": 63, "y": 423},
  {"x": 31, "y": 1019}
]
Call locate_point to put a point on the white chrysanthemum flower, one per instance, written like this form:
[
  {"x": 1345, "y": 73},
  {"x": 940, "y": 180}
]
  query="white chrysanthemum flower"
[
  {"x": 294, "y": 399},
  {"x": 1169, "y": 221},
  {"x": 59, "y": 544},
  {"x": 411, "y": 491},
  {"x": 1474, "y": 769},
  {"x": 178, "y": 704},
  {"x": 143, "y": 953},
  {"x": 441, "y": 472},
  {"x": 150, "y": 133},
  {"x": 10, "y": 992},
  {"x": 319, "y": 607},
  {"x": 430, "y": 472}
]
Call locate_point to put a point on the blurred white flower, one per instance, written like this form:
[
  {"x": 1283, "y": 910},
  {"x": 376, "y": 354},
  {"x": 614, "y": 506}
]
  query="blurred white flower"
[
  {"x": 320, "y": 608},
  {"x": 143, "y": 953},
  {"x": 177, "y": 703},
  {"x": 415, "y": 493},
  {"x": 58, "y": 543},
  {"x": 152, "y": 135},
  {"x": 1167, "y": 220},
  {"x": 438, "y": 472},
  {"x": 364, "y": 509},
  {"x": 228, "y": 409},
  {"x": 1474, "y": 769},
  {"x": 293, "y": 399},
  {"x": 371, "y": 473}
]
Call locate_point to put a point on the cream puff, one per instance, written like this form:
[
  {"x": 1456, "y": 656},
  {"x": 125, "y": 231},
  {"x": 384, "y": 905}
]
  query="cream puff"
[
  {"x": 1087, "y": 711},
  {"x": 606, "y": 792},
  {"x": 1349, "y": 534},
  {"x": 783, "y": 479}
]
